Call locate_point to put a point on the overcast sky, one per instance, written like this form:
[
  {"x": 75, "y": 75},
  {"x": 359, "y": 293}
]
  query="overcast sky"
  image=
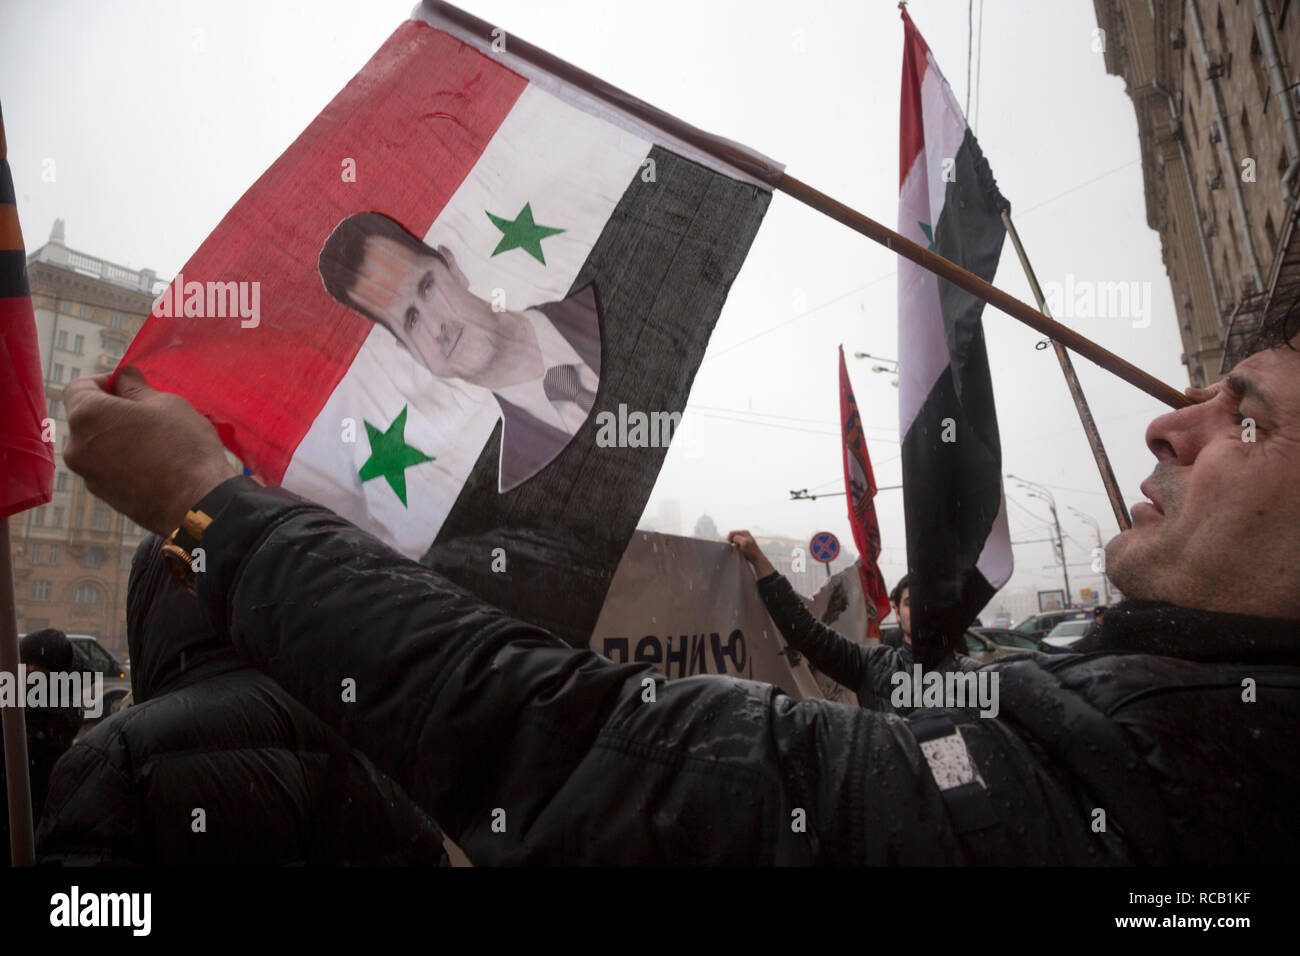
[{"x": 159, "y": 115}]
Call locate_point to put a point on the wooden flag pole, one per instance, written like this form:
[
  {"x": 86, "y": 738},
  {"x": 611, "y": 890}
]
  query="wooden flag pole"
[
  {"x": 17, "y": 783},
  {"x": 1076, "y": 390},
  {"x": 977, "y": 287}
]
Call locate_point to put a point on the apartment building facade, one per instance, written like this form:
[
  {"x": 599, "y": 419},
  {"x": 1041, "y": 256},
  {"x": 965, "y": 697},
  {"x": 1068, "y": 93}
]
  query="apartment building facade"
[
  {"x": 1214, "y": 84},
  {"x": 72, "y": 556}
]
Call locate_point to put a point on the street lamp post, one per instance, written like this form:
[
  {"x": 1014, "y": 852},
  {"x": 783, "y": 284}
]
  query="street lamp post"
[
  {"x": 886, "y": 369},
  {"x": 1039, "y": 491},
  {"x": 1105, "y": 581}
]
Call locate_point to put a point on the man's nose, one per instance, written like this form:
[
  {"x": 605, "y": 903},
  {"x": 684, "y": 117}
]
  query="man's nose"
[{"x": 1178, "y": 436}]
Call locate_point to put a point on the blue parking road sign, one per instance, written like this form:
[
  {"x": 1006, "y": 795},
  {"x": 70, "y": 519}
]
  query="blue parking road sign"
[{"x": 824, "y": 547}]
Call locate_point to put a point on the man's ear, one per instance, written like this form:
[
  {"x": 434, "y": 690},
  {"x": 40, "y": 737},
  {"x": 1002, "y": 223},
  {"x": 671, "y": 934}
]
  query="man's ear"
[{"x": 452, "y": 267}]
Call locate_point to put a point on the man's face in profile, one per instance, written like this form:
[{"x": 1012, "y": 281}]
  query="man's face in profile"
[
  {"x": 904, "y": 611},
  {"x": 1221, "y": 531},
  {"x": 426, "y": 303}
]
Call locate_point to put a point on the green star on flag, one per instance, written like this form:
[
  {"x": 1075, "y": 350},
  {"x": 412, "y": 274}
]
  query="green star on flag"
[
  {"x": 929, "y": 234},
  {"x": 390, "y": 456},
  {"x": 522, "y": 233}
]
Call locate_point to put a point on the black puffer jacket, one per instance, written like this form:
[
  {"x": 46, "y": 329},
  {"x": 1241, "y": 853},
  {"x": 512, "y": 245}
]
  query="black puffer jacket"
[
  {"x": 867, "y": 669},
  {"x": 217, "y": 764},
  {"x": 1143, "y": 750}
]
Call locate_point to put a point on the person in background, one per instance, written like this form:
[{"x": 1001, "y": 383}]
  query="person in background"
[
  {"x": 51, "y": 727},
  {"x": 867, "y": 669},
  {"x": 215, "y": 764}
]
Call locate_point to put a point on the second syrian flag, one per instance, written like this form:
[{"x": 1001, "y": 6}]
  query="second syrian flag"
[
  {"x": 958, "y": 546},
  {"x": 464, "y": 307}
]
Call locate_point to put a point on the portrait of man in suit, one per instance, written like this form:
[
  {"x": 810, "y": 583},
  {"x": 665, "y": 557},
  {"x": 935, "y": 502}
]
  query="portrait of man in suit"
[{"x": 541, "y": 364}]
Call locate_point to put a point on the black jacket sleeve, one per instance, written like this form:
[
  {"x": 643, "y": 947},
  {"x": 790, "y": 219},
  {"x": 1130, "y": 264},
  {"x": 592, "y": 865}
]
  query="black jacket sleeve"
[
  {"x": 856, "y": 666},
  {"x": 527, "y": 750}
]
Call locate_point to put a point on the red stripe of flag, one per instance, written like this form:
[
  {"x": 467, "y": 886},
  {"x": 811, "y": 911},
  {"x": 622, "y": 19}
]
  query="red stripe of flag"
[
  {"x": 911, "y": 138},
  {"x": 860, "y": 490},
  {"x": 411, "y": 152},
  {"x": 26, "y": 461}
]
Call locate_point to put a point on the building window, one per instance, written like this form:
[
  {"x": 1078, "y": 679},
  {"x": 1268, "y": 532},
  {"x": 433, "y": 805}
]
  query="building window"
[
  {"x": 87, "y": 594},
  {"x": 1246, "y": 133},
  {"x": 115, "y": 320},
  {"x": 102, "y": 518},
  {"x": 92, "y": 559},
  {"x": 79, "y": 344},
  {"x": 1257, "y": 66},
  {"x": 74, "y": 374},
  {"x": 54, "y": 554},
  {"x": 81, "y": 310},
  {"x": 56, "y": 408},
  {"x": 1270, "y": 231},
  {"x": 38, "y": 516},
  {"x": 61, "y": 481},
  {"x": 38, "y": 551},
  {"x": 65, "y": 307},
  {"x": 56, "y": 374},
  {"x": 41, "y": 590},
  {"x": 58, "y": 516},
  {"x": 61, "y": 340}
]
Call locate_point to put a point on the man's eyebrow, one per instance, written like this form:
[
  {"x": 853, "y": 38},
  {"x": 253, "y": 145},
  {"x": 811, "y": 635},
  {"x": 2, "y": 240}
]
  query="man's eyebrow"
[{"x": 1245, "y": 387}]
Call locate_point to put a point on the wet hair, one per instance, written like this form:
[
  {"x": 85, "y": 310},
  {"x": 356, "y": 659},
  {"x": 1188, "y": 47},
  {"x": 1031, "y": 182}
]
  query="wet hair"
[
  {"x": 48, "y": 648},
  {"x": 344, "y": 252},
  {"x": 896, "y": 595}
]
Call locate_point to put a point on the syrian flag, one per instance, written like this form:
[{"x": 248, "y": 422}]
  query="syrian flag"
[
  {"x": 449, "y": 310},
  {"x": 26, "y": 459},
  {"x": 958, "y": 546},
  {"x": 860, "y": 488}
]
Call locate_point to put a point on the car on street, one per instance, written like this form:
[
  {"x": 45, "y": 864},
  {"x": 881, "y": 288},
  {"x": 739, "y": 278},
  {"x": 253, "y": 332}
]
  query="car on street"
[
  {"x": 1039, "y": 625},
  {"x": 1066, "y": 633},
  {"x": 985, "y": 649},
  {"x": 1006, "y": 637}
]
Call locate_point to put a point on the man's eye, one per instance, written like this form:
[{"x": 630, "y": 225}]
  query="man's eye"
[
  {"x": 1242, "y": 421},
  {"x": 412, "y": 317},
  {"x": 425, "y": 285}
]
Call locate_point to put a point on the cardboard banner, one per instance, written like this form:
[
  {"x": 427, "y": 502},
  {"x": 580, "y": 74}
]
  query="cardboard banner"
[
  {"x": 841, "y": 604},
  {"x": 691, "y": 607}
]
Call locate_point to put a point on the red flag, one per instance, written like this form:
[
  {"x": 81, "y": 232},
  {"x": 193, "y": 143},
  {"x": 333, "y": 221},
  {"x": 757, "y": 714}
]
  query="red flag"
[
  {"x": 860, "y": 486},
  {"x": 26, "y": 462}
]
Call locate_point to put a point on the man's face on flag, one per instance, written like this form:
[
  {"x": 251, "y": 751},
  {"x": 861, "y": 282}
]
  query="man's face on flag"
[
  {"x": 1221, "y": 530},
  {"x": 426, "y": 303}
]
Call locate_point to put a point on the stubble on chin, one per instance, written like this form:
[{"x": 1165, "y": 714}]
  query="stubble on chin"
[{"x": 1130, "y": 565}]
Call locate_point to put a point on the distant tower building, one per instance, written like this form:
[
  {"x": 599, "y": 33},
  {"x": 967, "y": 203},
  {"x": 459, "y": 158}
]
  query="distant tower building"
[
  {"x": 1215, "y": 87},
  {"x": 72, "y": 557},
  {"x": 705, "y": 528}
]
